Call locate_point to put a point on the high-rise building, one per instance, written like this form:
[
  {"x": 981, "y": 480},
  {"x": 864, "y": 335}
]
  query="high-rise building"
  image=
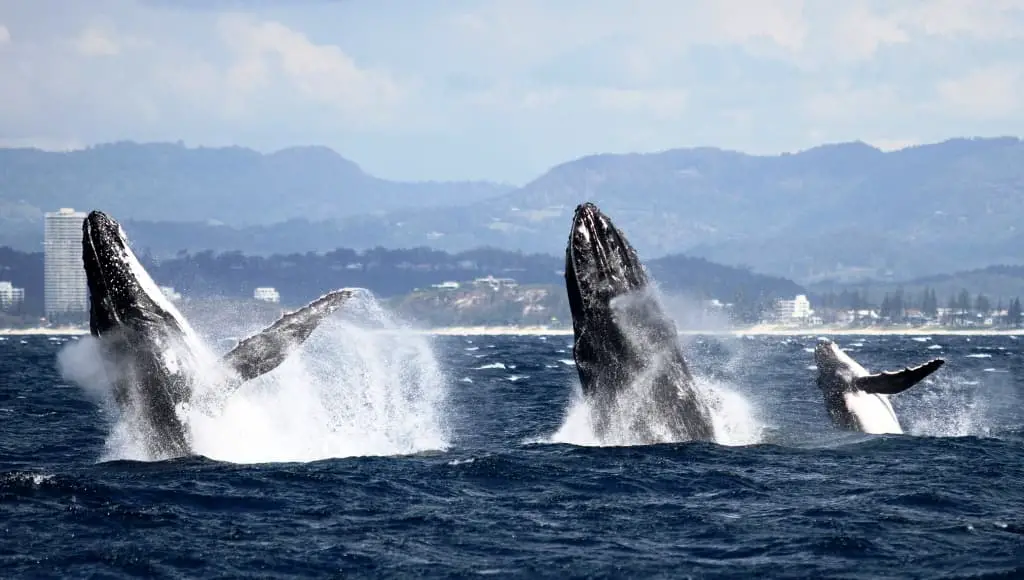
[{"x": 65, "y": 288}]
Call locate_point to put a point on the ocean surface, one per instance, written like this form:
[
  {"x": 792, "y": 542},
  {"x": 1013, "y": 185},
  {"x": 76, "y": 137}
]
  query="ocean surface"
[{"x": 386, "y": 454}]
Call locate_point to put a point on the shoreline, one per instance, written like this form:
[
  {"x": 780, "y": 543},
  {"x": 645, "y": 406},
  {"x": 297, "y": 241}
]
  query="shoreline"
[
  {"x": 64, "y": 331},
  {"x": 757, "y": 330}
]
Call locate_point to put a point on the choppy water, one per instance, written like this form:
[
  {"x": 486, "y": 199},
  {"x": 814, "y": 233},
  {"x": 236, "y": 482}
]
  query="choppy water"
[{"x": 466, "y": 464}]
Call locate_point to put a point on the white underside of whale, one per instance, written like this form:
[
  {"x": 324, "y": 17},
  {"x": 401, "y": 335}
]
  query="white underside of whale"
[{"x": 873, "y": 413}]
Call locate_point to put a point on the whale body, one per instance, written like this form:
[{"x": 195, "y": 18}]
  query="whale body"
[
  {"x": 154, "y": 356},
  {"x": 858, "y": 400},
  {"x": 626, "y": 348}
]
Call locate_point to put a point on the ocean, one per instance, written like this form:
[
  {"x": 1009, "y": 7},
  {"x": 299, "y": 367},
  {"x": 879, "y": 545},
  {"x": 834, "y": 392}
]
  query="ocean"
[{"x": 387, "y": 454}]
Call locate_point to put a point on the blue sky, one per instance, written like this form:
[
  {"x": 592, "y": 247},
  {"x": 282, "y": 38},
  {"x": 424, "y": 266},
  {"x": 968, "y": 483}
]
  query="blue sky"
[{"x": 504, "y": 89}]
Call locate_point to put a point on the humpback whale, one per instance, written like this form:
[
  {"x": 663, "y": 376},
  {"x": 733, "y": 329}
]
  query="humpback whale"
[
  {"x": 626, "y": 349},
  {"x": 857, "y": 400},
  {"x": 154, "y": 355}
]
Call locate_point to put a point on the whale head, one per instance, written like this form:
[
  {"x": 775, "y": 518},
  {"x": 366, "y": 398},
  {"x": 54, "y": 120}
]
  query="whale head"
[
  {"x": 825, "y": 352},
  {"x": 121, "y": 293},
  {"x": 827, "y": 357},
  {"x": 600, "y": 263}
]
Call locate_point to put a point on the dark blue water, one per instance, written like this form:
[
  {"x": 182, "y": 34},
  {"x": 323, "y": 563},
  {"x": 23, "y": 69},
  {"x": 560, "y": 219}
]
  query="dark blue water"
[{"x": 944, "y": 501}]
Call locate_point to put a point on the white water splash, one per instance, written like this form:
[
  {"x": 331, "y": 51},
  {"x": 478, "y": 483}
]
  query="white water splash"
[
  {"x": 362, "y": 384},
  {"x": 733, "y": 416},
  {"x": 951, "y": 406}
]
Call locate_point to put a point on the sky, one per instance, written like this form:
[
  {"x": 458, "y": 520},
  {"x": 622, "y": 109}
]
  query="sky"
[{"x": 505, "y": 89}]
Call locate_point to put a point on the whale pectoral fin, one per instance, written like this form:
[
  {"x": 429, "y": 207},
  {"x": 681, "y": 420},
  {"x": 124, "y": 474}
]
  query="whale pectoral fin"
[
  {"x": 891, "y": 383},
  {"x": 263, "y": 352}
]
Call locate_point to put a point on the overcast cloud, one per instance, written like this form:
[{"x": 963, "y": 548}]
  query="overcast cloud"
[{"x": 503, "y": 89}]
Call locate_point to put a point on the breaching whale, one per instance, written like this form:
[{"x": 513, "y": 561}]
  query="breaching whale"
[
  {"x": 858, "y": 400},
  {"x": 153, "y": 352},
  {"x": 626, "y": 349}
]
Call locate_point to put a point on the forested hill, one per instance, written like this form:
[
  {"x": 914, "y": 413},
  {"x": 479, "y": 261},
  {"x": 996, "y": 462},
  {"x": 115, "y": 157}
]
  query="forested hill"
[{"x": 388, "y": 273}]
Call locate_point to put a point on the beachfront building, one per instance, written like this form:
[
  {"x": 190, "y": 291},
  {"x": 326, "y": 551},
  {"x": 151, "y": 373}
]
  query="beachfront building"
[
  {"x": 11, "y": 298},
  {"x": 795, "y": 310},
  {"x": 267, "y": 294},
  {"x": 65, "y": 291}
]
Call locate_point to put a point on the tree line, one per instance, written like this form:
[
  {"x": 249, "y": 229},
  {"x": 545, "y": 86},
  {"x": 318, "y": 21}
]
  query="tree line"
[
  {"x": 388, "y": 273},
  {"x": 898, "y": 306}
]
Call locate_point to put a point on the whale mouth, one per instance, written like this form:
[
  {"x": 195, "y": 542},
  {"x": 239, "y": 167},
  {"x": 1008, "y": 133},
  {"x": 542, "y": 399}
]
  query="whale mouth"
[{"x": 600, "y": 262}]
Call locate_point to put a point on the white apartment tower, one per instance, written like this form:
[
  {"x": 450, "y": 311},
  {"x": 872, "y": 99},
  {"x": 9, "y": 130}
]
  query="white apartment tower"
[
  {"x": 798, "y": 308},
  {"x": 65, "y": 288}
]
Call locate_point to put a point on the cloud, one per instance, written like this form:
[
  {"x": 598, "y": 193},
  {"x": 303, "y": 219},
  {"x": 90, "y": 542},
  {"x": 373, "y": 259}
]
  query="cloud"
[
  {"x": 861, "y": 33},
  {"x": 852, "y": 103},
  {"x": 988, "y": 93},
  {"x": 967, "y": 18},
  {"x": 263, "y": 52},
  {"x": 95, "y": 42},
  {"x": 503, "y": 89}
]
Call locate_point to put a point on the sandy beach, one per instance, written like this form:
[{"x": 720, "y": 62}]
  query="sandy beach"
[
  {"x": 497, "y": 331},
  {"x": 758, "y": 330},
  {"x": 43, "y": 331}
]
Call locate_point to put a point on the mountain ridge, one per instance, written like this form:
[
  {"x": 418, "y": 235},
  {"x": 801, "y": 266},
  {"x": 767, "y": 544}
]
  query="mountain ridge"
[{"x": 834, "y": 210}]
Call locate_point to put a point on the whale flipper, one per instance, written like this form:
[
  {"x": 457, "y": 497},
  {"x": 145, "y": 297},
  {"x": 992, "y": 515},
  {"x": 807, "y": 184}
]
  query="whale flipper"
[
  {"x": 893, "y": 382},
  {"x": 264, "y": 351}
]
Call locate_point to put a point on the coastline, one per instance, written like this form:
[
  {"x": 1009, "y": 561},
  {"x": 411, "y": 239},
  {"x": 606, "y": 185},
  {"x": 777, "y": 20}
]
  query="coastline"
[
  {"x": 756, "y": 330},
  {"x": 65, "y": 331}
]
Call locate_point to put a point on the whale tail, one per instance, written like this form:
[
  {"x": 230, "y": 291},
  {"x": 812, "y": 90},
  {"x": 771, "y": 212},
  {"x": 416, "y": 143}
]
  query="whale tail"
[{"x": 894, "y": 382}]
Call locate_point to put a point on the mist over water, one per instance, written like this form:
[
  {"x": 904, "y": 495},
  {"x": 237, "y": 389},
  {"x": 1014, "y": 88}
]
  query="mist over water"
[
  {"x": 734, "y": 417},
  {"x": 362, "y": 384},
  {"x": 949, "y": 404}
]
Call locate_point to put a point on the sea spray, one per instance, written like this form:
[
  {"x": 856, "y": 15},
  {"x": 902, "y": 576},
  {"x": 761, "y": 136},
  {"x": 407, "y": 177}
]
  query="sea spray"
[
  {"x": 949, "y": 405},
  {"x": 362, "y": 384},
  {"x": 733, "y": 416},
  {"x": 98, "y": 371}
]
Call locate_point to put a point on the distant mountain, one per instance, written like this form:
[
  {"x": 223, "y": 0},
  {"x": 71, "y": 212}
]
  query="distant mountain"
[
  {"x": 834, "y": 210},
  {"x": 163, "y": 182},
  {"x": 846, "y": 211}
]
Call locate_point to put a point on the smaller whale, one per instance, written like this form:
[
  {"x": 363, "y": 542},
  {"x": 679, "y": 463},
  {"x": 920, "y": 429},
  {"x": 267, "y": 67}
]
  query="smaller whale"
[{"x": 858, "y": 400}]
